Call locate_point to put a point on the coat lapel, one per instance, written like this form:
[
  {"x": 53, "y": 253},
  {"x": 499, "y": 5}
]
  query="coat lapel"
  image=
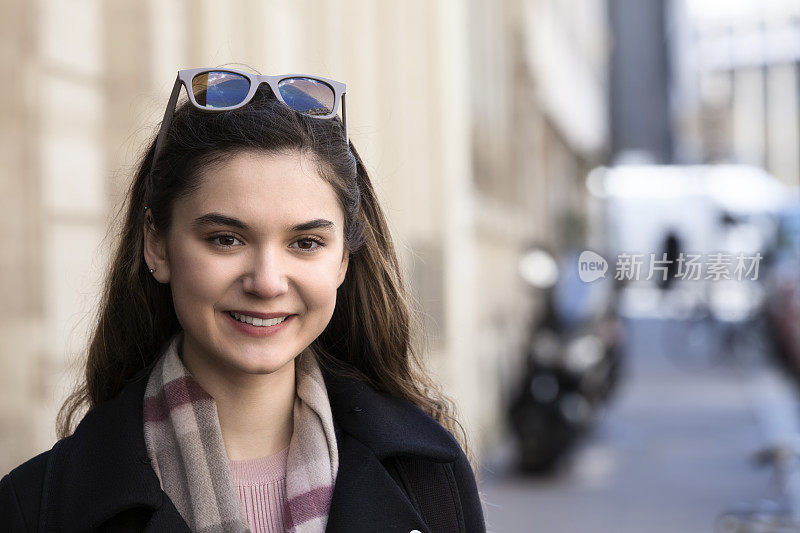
[
  {"x": 371, "y": 427},
  {"x": 387, "y": 425},
  {"x": 103, "y": 468},
  {"x": 366, "y": 498}
]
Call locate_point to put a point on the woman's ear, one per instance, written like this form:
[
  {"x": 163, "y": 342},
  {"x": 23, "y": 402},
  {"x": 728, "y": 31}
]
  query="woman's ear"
[
  {"x": 155, "y": 251},
  {"x": 343, "y": 268}
]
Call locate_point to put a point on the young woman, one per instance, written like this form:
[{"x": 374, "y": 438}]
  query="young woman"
[{"x": 252, "y": 366}]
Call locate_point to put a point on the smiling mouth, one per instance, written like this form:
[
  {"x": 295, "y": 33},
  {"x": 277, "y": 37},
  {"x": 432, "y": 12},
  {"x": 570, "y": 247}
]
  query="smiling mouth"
[{"x": 260, "y": 322}]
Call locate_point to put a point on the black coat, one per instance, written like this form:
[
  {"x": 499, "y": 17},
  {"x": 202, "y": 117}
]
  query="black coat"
[{"x": 100, "y": 478}]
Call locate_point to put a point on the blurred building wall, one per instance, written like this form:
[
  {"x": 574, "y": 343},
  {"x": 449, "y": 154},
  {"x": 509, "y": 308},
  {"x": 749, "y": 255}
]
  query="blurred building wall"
[
  {"x": 54, "y": 207},
  {"x": 460, "y": 109},
  {"x": 737, "y": 86},
  {"x": 539, "y": 99}
]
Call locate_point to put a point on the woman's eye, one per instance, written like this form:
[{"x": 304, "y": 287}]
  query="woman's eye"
[
  {"x": 226, "y": 241},
  {"x": 307, "y": 244}
]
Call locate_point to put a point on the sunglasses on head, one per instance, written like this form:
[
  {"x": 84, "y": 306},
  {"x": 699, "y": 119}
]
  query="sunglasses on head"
[{"x": 223, "y": 89}]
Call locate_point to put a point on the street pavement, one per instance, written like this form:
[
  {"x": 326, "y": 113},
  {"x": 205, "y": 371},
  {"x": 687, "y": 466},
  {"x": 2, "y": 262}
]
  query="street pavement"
[{"x": 673, "y": 450}]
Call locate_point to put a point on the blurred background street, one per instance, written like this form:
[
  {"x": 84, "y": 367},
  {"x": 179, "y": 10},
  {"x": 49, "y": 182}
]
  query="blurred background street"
[
  {"x": 596, "y": 204},
  {"x": 673, "y": 451}
]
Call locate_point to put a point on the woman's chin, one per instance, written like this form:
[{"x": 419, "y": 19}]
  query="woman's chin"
[{"x": 262, "y": 364}]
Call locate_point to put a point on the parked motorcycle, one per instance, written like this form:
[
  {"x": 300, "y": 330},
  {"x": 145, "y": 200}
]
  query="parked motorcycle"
[{"x": 572, "y": 363}]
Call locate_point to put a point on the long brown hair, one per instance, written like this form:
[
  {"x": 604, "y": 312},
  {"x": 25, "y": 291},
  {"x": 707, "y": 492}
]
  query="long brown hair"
[{"x": 370, "y": 335}]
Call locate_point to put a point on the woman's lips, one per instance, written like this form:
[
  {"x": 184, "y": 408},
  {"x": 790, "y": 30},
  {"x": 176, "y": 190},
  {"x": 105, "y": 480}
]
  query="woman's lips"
[
  {"x": 256, "y": 314},
  {"x": 259, "y": 331}
]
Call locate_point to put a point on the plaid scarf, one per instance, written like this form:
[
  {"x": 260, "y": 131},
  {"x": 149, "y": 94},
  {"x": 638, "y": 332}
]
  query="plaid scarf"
[{"x": 184, "y": 442}]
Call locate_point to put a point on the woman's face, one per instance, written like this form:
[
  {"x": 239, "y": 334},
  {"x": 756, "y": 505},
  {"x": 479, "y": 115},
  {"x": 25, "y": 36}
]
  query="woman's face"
[{"x": 263, "y": 235}]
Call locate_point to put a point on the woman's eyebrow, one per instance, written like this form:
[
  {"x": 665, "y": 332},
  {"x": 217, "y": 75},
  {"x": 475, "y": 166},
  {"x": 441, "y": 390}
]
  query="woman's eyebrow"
[
  {"x": 218, "y": 219},
  {"x": 317, "y": 223}
]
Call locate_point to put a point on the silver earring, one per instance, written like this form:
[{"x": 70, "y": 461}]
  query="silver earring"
[{"x": 152, "y": 270}]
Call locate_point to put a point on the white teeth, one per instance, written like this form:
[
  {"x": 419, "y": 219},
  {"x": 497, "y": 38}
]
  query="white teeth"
[{"x": 258, "y": 321}]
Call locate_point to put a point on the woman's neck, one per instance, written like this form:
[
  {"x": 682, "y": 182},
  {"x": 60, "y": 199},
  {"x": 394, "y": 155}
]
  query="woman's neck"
[{"x": 255, "y": 410}]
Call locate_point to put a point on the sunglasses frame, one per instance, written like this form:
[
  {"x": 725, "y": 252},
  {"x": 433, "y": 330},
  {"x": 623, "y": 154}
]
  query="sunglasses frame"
[{"x": 186, "y": 76}]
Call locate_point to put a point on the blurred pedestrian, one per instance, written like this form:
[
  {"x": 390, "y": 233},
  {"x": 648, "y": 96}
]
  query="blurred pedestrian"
[{"x": 671, "y": 251}]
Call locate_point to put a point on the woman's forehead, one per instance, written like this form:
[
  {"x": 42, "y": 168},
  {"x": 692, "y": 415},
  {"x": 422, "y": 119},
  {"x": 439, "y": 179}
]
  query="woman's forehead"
[{"x": 264, "y": 189}]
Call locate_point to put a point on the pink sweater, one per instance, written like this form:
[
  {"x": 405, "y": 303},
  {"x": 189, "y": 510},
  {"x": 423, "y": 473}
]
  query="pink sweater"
[{"x": 261, "y": 486}]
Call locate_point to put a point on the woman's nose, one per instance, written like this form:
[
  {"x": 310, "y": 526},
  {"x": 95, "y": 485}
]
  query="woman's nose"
[{"x": 266, "y": 277}]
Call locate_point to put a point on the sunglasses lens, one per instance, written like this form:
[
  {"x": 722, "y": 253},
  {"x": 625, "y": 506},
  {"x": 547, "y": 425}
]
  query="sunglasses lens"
[
  {"x": 218, "y": 88},
  {"x": 306, "y": 95}
]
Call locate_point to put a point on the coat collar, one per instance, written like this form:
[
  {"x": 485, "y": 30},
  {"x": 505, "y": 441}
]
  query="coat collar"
[
  {"x": 105, "y": 461},
  {"x": 387, "y": 425},
  {"x": 371, "y": 427}
]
